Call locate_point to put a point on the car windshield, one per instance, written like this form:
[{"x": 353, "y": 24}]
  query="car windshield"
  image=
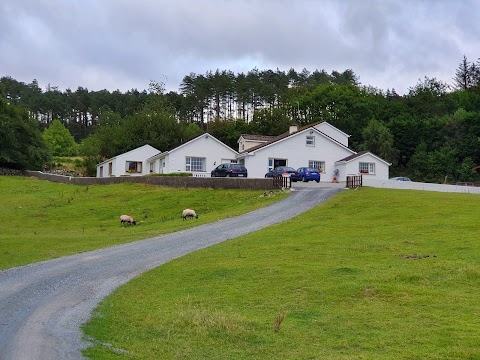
[
  {"x": 286, "y": 168},
  {"x": 310, "y": 169},
  {"x": 237, "y": 167}
]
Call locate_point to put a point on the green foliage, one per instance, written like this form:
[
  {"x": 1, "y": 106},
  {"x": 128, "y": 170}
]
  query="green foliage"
[
  {"x": 439, "y": 166},
  {"x": 21, "y": 143},
  {"x": 378, "y": 140},
  {"x": 370, "y": 274},
  {"x": 47, "y": 220},
  {"x": 466, "y": 172},
  {"x": 59, "y": 141},
  {"x": 229, "y": 132},
  {"x": 270, "y": 122}
]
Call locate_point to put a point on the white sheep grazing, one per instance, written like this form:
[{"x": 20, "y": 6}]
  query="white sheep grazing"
[
  {"x": 127, "y": 219},
  {"x": 189, "y": 213}
]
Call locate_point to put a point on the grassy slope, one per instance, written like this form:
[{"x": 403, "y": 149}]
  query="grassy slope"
[
  {"x": 42, "y": 220},
  {"x": 371, "y": 274}
]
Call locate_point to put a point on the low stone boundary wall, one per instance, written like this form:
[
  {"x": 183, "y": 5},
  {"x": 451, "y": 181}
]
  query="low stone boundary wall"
[
  {"x": 5, "y": 171},
  {"x": 172, "y": 181}
]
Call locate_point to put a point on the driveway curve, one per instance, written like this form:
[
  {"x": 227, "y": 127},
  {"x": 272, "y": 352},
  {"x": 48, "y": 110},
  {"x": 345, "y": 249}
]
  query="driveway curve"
[{"x": 43, "y": 305}]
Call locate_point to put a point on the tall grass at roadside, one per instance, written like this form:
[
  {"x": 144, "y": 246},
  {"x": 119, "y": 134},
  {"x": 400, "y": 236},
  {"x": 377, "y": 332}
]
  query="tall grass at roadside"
[
  {"x": 41, "y": 220},
  {"x": 371, "y": 274}
]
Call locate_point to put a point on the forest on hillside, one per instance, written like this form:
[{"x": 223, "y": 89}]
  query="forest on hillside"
[{"x": 432, "y": 133}]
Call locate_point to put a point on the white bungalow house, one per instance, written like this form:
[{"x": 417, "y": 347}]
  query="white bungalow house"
[
  {"x": 318, "y": 145},
  {"x": 131, "y": 163},
  {"x": 198, "y": 156}
]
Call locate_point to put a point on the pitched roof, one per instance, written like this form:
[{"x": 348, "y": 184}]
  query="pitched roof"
[
  {"x": 258, "y": 137},
  {"x": 353, "y": 156},
  {"x": 127, "y": 152},
  {"x": 206, "y": 135},
  {"x": 360, "y": 154},
  {"x": 287, "y": 134}
]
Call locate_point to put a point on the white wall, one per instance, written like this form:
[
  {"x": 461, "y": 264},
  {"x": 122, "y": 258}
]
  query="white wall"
[
  {"x": 297, "y": 153},
  {"x": 140, "y": 154},
  {"x": 204, "y": 146},
  {"x": 411, "y": 185},
  {"x": 333, "y": 132},
  {"x": 352, "y": 168}
]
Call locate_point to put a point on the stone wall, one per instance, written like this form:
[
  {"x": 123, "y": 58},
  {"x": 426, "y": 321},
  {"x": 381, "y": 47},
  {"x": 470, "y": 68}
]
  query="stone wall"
[
  {"x": 5, "y": 171},
  {"x": 172, "y": 181}
]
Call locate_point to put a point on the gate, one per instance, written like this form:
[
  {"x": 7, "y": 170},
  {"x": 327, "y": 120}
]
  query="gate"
[
  {"x": 282, "y": 181},
  {"x": 354, "y": 181}
]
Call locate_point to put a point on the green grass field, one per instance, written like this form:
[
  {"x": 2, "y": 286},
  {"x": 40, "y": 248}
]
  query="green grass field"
[
  {"x": 371, "y": 274},
  {"x": 41, "y": 220}
]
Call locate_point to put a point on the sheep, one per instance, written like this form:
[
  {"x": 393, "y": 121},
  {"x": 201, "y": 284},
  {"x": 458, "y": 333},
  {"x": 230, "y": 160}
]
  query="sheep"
[
  {"x": 127, "y": 219},
  {"x": 189, "y": 213}
]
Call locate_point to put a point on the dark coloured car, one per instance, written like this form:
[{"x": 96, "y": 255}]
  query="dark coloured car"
[
  {"x": 229, "y": 170},
  {"x": 280, "y": 170},
  {"x": 309, "y": 174},
  {"x": 400, "y": 178}
]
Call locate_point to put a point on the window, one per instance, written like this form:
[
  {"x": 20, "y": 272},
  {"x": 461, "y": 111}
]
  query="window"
[
  {"x": 195, "y": 164},
  {"x": 133, "y": 167},
  {"x": 310, "y": 141},
  {"x": 319, "y": 165},
  {"x": 152, "y": 167},
  {"x": 366, "y": 168}
]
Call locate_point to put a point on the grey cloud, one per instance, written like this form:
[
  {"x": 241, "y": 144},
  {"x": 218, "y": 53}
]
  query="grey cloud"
[{"x": 122, "y": 44}]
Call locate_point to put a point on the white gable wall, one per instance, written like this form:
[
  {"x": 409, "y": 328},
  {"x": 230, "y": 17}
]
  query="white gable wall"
[
  {"x": 297, "y": 154},
  {"x": 119, "y": 166},
  {"x": 381, "y": 168},
  {"x": 333, "y": 132},
  {"x": 204, "y": 147}
]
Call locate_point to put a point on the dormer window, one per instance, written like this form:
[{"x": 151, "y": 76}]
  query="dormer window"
[{"x": 310, "y": 141}]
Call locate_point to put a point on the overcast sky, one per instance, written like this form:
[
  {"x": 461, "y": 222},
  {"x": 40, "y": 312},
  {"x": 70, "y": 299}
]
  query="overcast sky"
[{"x": 123, "y": 44}]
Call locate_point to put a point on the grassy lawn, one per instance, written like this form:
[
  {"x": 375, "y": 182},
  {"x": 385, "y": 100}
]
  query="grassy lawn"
[
  {"x": 371, "y": 274},
  {"x": 43, "y": 220}
]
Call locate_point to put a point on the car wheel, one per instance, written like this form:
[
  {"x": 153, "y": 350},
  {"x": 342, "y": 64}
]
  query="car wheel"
[
  {"x": 227, "y": 175},
  {"x": 317, "y": 180}
]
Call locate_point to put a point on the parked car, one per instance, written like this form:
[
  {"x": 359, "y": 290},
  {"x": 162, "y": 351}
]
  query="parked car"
[
  {"x": 279, "y": 170},
  {"x": 229, "y": 170},
  {"x": 308, "y": 173},
  {"x": 400, "y": 178}
]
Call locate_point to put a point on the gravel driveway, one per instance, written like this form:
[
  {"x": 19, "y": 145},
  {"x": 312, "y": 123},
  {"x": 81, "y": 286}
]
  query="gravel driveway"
[{"x": 43, "y": 305}]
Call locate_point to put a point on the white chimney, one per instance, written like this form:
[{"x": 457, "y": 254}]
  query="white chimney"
[{"x": 292, "y": 129}]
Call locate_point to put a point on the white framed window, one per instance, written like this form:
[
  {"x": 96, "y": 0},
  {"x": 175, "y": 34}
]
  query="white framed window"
[
  {"x": 316, "y": 164},
  {"x": 133, "y": 167},
  {"x": 310, "y": 140},
  {"x": 270, "y": 164},
  {"x": 366, "y": 168},
  {"x": 152, "y": 167},
  {"x": 195, "y": 164}
]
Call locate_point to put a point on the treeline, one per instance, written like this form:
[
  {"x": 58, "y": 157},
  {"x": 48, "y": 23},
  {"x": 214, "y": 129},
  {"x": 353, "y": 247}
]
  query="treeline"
[
  {"x": 431, "y": 133},
  {"x": 203, "y": 98}
]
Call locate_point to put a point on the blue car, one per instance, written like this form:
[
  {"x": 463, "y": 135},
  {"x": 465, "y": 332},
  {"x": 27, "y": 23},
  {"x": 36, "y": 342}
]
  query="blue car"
[{"x": 306, "y": 174}]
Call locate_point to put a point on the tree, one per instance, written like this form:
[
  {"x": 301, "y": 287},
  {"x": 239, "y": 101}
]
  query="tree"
[
  {"x": 378, "y": 139},
  {"x": 21, "y": 143},
  {"x": 462, "y": 79},
  {"x": 466, "y": 172},
  {"x": 59, "y": 141}
]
